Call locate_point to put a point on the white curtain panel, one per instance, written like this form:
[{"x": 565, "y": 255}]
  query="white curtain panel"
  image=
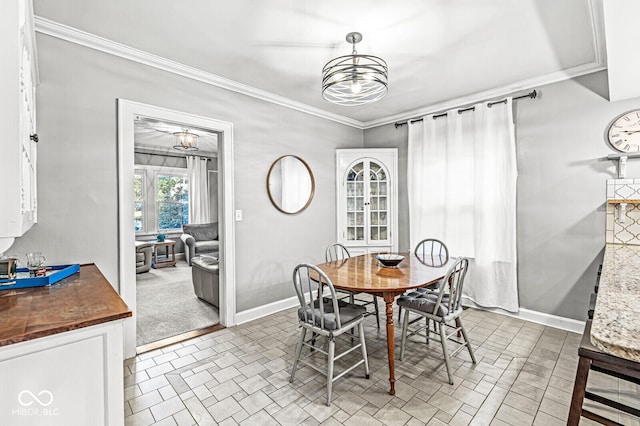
[
  {"x": 461, "y": 179},
  {"x": 198, "y": 190}
]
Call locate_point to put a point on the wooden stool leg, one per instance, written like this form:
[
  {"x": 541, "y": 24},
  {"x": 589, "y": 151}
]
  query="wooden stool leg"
[{"x": 582, "y": 374}]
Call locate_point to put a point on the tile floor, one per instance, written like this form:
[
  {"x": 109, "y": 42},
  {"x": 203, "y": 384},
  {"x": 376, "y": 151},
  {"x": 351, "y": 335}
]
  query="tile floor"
[{"x": 524, "y": 376}]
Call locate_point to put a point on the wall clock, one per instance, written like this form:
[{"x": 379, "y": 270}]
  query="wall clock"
[{"x": 624, "y": 132}]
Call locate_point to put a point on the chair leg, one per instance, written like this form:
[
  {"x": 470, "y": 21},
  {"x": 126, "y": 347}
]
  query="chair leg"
[
  {"x": 313, "y": 342},
  {"x": 443, "y": 339},
  {"x": 330, "y": 356},
  {"x": 399, "y": 312},
  {"x": 582, "y": 374},
  {"x": 363, "y": 347},
  {"x": 303, "y": 332},
  {"x": 466, "y": 339},
  {"x": 375, "y": 304},
  {"x": 405, "y": 326},
  {"x": 428, "y": 330}
]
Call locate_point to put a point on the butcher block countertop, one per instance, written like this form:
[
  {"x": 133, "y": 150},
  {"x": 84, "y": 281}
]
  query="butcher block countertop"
[
  {"x": 81, "y": 300},
  {"x": 616, "y": 319}
]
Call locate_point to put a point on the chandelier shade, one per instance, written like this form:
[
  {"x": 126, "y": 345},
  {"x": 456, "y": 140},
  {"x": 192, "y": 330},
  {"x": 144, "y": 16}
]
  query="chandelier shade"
[
  {"x": 185, "y": 141},
  {"x": 354, "y": 79}
]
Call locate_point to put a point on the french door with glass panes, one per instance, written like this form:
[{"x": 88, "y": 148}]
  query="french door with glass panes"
[{"x": 367, "y": 200}]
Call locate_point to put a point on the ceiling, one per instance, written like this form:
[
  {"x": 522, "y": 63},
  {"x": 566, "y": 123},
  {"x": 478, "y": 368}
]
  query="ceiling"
[
  {"x": 153, "y": 136},
  {"x": 439, "y": 52}
]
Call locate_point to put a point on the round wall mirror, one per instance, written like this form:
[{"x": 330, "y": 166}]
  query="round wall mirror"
[{"x": 290, "y": 184}]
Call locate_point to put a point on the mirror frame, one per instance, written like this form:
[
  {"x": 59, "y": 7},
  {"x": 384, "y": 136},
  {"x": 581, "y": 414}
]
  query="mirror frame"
[{"x": 313, "y": 184}]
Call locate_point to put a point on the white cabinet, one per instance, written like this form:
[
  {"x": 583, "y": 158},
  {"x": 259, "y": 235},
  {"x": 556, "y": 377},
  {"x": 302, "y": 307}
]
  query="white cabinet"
[
  {"x": 18, "y": 80},
  {"x": 367, "y": 188},
  {"x": 72, "y": 378}
]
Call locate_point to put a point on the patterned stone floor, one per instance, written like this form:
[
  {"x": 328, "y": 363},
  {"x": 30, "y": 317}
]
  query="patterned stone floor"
[{"x": 524, "y": 376}]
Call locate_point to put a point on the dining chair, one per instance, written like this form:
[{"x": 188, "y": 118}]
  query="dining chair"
[
  {"x": 431, "y": 252},
  {"x": 325, "y": 316},
  {"x": 336, "y": 252},
  {"x": 442, "y": 306}
]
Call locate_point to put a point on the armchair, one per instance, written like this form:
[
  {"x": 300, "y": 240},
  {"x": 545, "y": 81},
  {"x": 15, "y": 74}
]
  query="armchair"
[
  {"x": 144, "y": 254},
  {"x": 200, "y": 239}
]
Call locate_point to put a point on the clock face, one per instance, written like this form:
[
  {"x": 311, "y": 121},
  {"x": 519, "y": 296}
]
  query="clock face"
[{"x": 624, "y": 133}]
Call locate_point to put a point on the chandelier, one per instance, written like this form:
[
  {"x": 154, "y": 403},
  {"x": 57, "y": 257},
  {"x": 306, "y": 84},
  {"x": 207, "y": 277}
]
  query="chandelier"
[
  {"x": 185, "y": 141},
  {"x": 354, "y": 79}
]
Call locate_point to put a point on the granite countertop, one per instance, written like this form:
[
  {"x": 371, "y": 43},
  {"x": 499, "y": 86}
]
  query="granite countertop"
[
  {"x": 81, "y": 300},
  {"x": 616, "y": 320}
]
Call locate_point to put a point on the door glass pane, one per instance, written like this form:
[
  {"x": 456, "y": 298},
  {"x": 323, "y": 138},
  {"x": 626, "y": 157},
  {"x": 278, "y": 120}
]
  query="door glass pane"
[
  {"x": 382, "y": 203},
  {"x": 360, "y": 234},
  {"x": 360, "y": 218},
  {"x": 383, "y": 232},
  {"x": 383, "y": 218},
  {"x": 374, "y": 233}
]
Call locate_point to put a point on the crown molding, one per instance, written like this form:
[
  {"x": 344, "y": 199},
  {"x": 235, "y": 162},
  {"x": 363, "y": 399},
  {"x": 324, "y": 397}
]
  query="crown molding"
[{"x": 92, "y": 41}]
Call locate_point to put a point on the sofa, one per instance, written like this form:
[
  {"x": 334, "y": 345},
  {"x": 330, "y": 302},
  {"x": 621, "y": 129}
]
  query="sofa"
[
  {"x": 200, "y": 239},
  {"x": 205, "y": 276},
  {"x": 144, "y": 256}
]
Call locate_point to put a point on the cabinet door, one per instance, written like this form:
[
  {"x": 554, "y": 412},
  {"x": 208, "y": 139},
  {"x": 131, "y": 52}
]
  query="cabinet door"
[
  {"x": 18, "y": 81},
  {"x": 378, "y": 205}
]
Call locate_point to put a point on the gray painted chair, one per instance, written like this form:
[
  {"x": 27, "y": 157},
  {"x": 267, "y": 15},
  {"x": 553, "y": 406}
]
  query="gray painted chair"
[
  {"x": 328, "y": 317},
  {"x": 433, "y": 253},
  {"x": 442, "y": 306},
  {"x": 336, "y": 252}
]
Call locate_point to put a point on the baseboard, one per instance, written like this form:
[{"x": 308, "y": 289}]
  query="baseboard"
[
  {"x": 264, "y": 310},
  {"x": 554, "y": 321},
  {"x": 563, "y": 323}
]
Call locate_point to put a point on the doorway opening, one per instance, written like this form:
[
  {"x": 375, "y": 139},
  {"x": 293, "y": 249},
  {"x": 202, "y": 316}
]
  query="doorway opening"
[{"x": 149, "y": 168}]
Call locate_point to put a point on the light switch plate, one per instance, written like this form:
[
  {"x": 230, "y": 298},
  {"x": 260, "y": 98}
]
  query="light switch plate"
[{"x": 238, "y": 215}]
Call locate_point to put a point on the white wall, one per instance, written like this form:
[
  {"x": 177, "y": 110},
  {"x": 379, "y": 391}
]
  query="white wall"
[
  {"x": 77, "y": 163},
  {"x": 561, "y": 190}
]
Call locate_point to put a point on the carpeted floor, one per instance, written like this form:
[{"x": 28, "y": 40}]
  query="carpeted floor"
[{"x": 167, "y": 305}]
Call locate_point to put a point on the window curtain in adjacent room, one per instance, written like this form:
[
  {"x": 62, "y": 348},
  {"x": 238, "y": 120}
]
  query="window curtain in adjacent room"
[
  {"x": 461, "y": 181},
  {"x": 198, "y": 190}
]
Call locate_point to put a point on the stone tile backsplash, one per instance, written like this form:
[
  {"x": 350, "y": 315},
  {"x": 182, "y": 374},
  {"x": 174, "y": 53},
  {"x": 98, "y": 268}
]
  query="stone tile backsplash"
[{"x": 628, "y": 230}]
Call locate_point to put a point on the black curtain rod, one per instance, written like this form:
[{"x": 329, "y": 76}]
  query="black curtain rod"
[{"x": 531, "y": 95}]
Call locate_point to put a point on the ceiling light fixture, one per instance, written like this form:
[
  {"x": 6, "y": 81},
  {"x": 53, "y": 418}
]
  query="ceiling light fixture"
[
  {"x": 354, "y": 79},
  {"x": 185, "y": 141}
]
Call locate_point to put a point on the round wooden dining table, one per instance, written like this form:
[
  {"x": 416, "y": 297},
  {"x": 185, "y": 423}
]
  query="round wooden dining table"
[{"x": 366, "y": 275}]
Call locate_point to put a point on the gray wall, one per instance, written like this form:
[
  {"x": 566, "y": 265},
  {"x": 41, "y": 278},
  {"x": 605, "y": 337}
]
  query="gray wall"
[
  {"x": 561, "y": 190},
  {"x": 77, "y": 188}
]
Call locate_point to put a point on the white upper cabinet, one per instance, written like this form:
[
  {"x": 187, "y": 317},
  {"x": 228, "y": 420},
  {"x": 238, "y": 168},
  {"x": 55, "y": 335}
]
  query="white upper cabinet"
[
  {"x": 367, "y": 199},
  {"x": 18, "y": 156}
]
